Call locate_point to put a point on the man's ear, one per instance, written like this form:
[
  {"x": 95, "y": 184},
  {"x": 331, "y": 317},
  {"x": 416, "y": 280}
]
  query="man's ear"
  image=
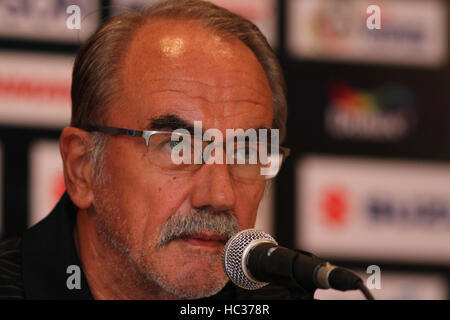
[{"x": 74, "y": 145}]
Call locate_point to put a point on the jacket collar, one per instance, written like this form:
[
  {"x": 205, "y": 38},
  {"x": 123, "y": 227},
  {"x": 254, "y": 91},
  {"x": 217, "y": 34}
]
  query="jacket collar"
[{"x": 48, "y": 249}]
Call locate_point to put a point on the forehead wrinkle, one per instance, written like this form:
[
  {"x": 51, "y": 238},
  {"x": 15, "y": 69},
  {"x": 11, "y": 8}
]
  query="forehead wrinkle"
[
  {"x": 208, "y": 100},
  {"x": 206, "y": 84},
  {"x": 244, "y": 113}
]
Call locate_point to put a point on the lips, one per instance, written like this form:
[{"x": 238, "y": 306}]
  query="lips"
[{"x": 205, "y": 239}]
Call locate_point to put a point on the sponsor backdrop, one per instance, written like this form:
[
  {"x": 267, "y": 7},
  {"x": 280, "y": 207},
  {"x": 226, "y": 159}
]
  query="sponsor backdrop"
[
  {"x": 35, "y": 89},
  {"x": 367, "y": 182},
  {"x": 1, "y": 190},
  {"x": 397, "y": 210},
  {"x": 368, "y": 124}
]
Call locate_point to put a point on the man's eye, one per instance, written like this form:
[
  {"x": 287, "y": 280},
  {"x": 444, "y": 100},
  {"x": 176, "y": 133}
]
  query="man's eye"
[
  {"x": 246, "y": 153},
  {"x": 173, "y": 144},
  {"x": 169, "y": 144}
]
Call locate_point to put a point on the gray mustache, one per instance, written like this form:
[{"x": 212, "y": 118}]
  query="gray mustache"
[{"x": 180, "y": 225}]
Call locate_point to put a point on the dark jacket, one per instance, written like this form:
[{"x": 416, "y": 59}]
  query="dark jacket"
[{"x": 35, "y": 266}]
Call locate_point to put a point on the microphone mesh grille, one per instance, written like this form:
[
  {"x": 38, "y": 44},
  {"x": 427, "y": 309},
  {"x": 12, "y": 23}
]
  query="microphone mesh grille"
[{"x": 233, "y": 254}]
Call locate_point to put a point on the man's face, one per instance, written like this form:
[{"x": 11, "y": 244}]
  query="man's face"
[{"x": 178, "y": 70}]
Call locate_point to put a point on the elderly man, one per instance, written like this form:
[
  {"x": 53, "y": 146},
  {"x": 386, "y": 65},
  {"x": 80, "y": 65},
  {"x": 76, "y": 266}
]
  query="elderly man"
[{"x": 133, "y": 224}]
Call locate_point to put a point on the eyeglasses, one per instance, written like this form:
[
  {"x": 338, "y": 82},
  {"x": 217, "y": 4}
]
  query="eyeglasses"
[{"x": 162, "y": 144}]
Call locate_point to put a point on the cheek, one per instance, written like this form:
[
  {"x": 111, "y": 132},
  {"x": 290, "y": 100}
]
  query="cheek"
[
  {"x": 159, "y": 198},
  {"x": 247, "y": 203},
  {"x": 145, "y": 196},
  {"x": 164, "y": 193}
]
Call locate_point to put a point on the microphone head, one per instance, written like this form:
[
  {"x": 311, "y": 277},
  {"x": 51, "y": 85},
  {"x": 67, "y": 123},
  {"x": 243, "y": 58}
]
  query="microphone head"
[{"x": 235, "y": 255}]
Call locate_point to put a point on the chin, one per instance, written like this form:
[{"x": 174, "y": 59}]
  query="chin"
[
  {"x": 188, "y": 274},
  {"x": 199, "y": 284},
  {"x": 192, "y": 282}
]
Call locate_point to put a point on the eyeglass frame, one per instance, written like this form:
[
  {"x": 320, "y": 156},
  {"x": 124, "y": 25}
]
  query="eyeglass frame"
[{"x": 146, "y": 134}]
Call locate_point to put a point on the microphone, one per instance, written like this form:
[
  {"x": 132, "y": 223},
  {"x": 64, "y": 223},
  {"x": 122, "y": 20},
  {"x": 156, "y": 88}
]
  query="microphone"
[{"x": 253, "y": 259}]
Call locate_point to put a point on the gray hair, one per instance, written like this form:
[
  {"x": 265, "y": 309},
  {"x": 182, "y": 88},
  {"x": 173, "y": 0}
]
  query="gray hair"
[{"x": 95, "y": 81}]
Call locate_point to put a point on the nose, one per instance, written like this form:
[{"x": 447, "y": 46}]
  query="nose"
[{"x": 214, "y": 187}]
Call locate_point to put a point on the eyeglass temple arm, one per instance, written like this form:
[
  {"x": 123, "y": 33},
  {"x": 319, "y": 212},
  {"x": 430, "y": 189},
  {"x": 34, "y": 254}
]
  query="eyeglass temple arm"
[
  {"x": 114, "y": 131},
  {"x": 286, "y": 151}
]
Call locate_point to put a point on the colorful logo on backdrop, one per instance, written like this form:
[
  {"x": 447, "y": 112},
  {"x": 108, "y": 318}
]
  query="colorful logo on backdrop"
[
  {"x": 383, "y": 114},
  {"x": 46, "y": 19},
  {"x": 335, "y": 24},
  {"x": 26, "y": 88},
  {"x": 410, "y": 32},
  {"x": 418, "y": 211},
  {"x": 387, "y": 210}
]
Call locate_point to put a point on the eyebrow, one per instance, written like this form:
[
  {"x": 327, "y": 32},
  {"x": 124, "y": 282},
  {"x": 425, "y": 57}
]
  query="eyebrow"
[
  {"x": 170, "y": 122},
  {"x": 173, "y": 122}
]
